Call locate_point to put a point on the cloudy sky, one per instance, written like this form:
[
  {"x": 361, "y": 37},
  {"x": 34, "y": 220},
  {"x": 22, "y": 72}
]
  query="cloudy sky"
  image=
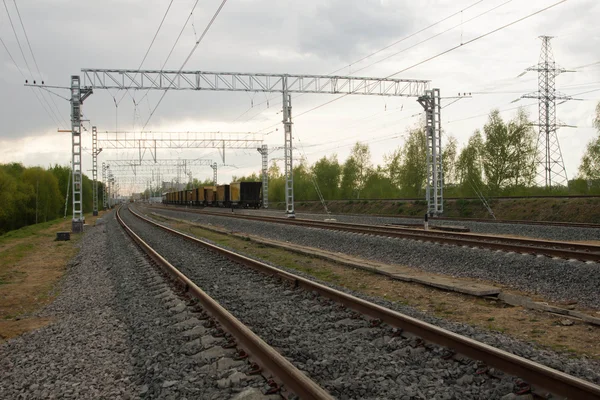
[{"x": 310, "y": 37}]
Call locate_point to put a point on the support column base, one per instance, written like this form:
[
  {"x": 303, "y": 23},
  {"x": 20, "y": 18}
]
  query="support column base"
[
  {"x": 77, "y": 226},
  {"x": 95, "y": 213}
]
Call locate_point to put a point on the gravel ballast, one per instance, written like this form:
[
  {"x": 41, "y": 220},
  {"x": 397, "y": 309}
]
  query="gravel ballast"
[
  {"x": 554, "y": 279},
  {"x": 528, "y": 230},
  {"x": 341, "y": 353},
  {"x": 119, "y": 331}
]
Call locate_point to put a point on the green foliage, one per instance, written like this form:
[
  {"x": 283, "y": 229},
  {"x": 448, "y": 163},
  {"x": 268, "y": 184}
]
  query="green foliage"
[
  {"x": 590, "y": 162},
  {"x": 508, "y": 152},
  {"x": 327, "y": 173},
  {"x": 469, "y": 169},
  {"x": 350, "y": 173},
  {"x": 29, "y": 192},
  {"x": 499, "y": 162},
  {"x": 412, "y": 173},
  {"x": 449, "y": 160}
]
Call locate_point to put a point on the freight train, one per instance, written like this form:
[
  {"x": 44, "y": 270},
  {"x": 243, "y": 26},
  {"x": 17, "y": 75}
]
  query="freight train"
[{"x": 237, "y": 194}]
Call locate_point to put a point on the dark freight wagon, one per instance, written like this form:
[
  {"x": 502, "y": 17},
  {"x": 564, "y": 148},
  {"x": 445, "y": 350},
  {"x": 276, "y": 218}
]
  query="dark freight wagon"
[
  {"x": 223, "y": 199},
  {"x": 245, "y": 194}
]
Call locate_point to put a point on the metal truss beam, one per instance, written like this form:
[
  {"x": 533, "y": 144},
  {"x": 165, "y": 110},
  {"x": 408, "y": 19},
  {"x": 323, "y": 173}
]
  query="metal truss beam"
[
  {"x": 214, "y": 168},
  {"x": 264, "y": 152},
  {"x": 249, "y": 82},
  {"x": 151, "y": 141},
  {"x": 115, "y": 164},
  {"x": 104, "y": 186},
  {"x": 78, "y": 95},
  {"x": 95, "y": 152},
  {"x": 435, "y": 182}
]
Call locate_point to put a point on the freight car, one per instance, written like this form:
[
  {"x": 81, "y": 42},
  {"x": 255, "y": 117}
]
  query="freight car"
[
  {"x": 223, "y": 198},
  {"x": 210, "y": 195},
  {"x": 237, "y": 194},
  {"x": 245, "y": 194}
]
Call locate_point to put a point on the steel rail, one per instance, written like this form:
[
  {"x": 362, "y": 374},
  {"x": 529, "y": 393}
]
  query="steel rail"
[
  {"x": 542, "y": 377},
  {"x": 269, "y": 359},
  {"x": 463, "y": 219},
  {"x": 566, "y": 250}
]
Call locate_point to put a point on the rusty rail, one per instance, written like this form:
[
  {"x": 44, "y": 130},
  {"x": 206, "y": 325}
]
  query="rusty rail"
[
  {"x": 267, "y": 357},
  {"x": 566, "y": 250},
  {"x": 545, "y": 378}
]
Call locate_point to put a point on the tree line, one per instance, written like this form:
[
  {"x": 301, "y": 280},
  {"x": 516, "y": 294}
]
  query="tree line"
[
  {"x": 497, "y": 160},
  {"x": 35, "y": 194}
]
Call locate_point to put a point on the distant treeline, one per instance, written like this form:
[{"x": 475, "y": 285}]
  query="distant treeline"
[
  {"x": 499, "y": 160},
  {"x": 27, "y": 192}
]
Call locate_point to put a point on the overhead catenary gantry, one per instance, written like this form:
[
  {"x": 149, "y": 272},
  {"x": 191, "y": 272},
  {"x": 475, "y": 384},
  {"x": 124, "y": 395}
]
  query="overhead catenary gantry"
[
  {"x": 160, "y": 166},
  {"x": 124, "y": 79},
  {"x": 150, "y": 141}
]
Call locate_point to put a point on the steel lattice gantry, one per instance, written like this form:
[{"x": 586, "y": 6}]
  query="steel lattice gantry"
[
  {"x": 152, "y": 140},
  {"x": 135, "y": 167},
  {"x": 250, "y": 82}
]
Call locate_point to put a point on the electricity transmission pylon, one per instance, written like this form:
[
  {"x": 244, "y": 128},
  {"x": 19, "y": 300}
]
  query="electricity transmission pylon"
[{"x": 550, "y": 167}]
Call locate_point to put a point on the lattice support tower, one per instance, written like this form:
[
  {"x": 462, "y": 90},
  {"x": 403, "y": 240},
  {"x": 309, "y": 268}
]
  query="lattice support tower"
[
  {"x": 288, "y": 151},
  {"x": 214, "y": 167},
  {"x": 433, "y": 131},
  {"x": 264, "y": 152},
  {"x": 550, "y": 167},
  {"x": 104, "y": 186},
  {"x": 78, "y": 95},
  {"x": 95, "y": 153}
]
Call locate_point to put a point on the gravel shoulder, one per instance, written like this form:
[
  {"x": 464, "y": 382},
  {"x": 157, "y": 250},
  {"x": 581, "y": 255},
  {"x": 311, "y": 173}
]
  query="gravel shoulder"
[{"x": 554, "y": 279}]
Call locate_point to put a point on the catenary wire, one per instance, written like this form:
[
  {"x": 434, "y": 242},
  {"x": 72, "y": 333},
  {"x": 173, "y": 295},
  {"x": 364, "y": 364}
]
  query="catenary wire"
[
  {"x": 441, "y": 53},
  {"x": 174, "y": 44},
  {"x": 23, "y": 75},
  {"x": 373, "y": 53},
  {"x": 216, "y": 14},
  {"x": 148, "y": 50},
  {"x": 36, "y": 64}
]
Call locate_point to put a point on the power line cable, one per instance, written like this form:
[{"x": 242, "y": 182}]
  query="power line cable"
[
  {"x": 434, "y": 36},
  {"x": 51, "y": 113},
  {"x": 477, "y": 38},
  {"x": 377, "y": 51},
  {"x": 148, "y": 50},
  {"x": 58, "y": 113},
  {"x": 174, "y": 44},
  {"x": 23, "y": 75},
  {"x": 216, "y": 14},
  {"x": 442, "y": 53}
]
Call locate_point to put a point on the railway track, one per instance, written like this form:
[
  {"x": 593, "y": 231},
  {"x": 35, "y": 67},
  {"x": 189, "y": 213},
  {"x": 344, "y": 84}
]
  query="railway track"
[
  {"x": 466, "y": 219},
  {"x": 268, "y": 360},
  {"x": 565, "y": 250},
  {"x": 540, "y": 379}
]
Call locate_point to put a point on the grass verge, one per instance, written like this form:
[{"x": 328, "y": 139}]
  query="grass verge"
[{"x": 31, "y": 263}]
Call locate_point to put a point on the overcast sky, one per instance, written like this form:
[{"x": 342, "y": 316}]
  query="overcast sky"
[{"x": 309, "y": 36}]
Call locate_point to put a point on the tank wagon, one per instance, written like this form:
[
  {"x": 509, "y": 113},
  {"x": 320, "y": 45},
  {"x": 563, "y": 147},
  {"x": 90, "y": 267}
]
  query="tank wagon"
[{"x": 237, "y": 194}]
